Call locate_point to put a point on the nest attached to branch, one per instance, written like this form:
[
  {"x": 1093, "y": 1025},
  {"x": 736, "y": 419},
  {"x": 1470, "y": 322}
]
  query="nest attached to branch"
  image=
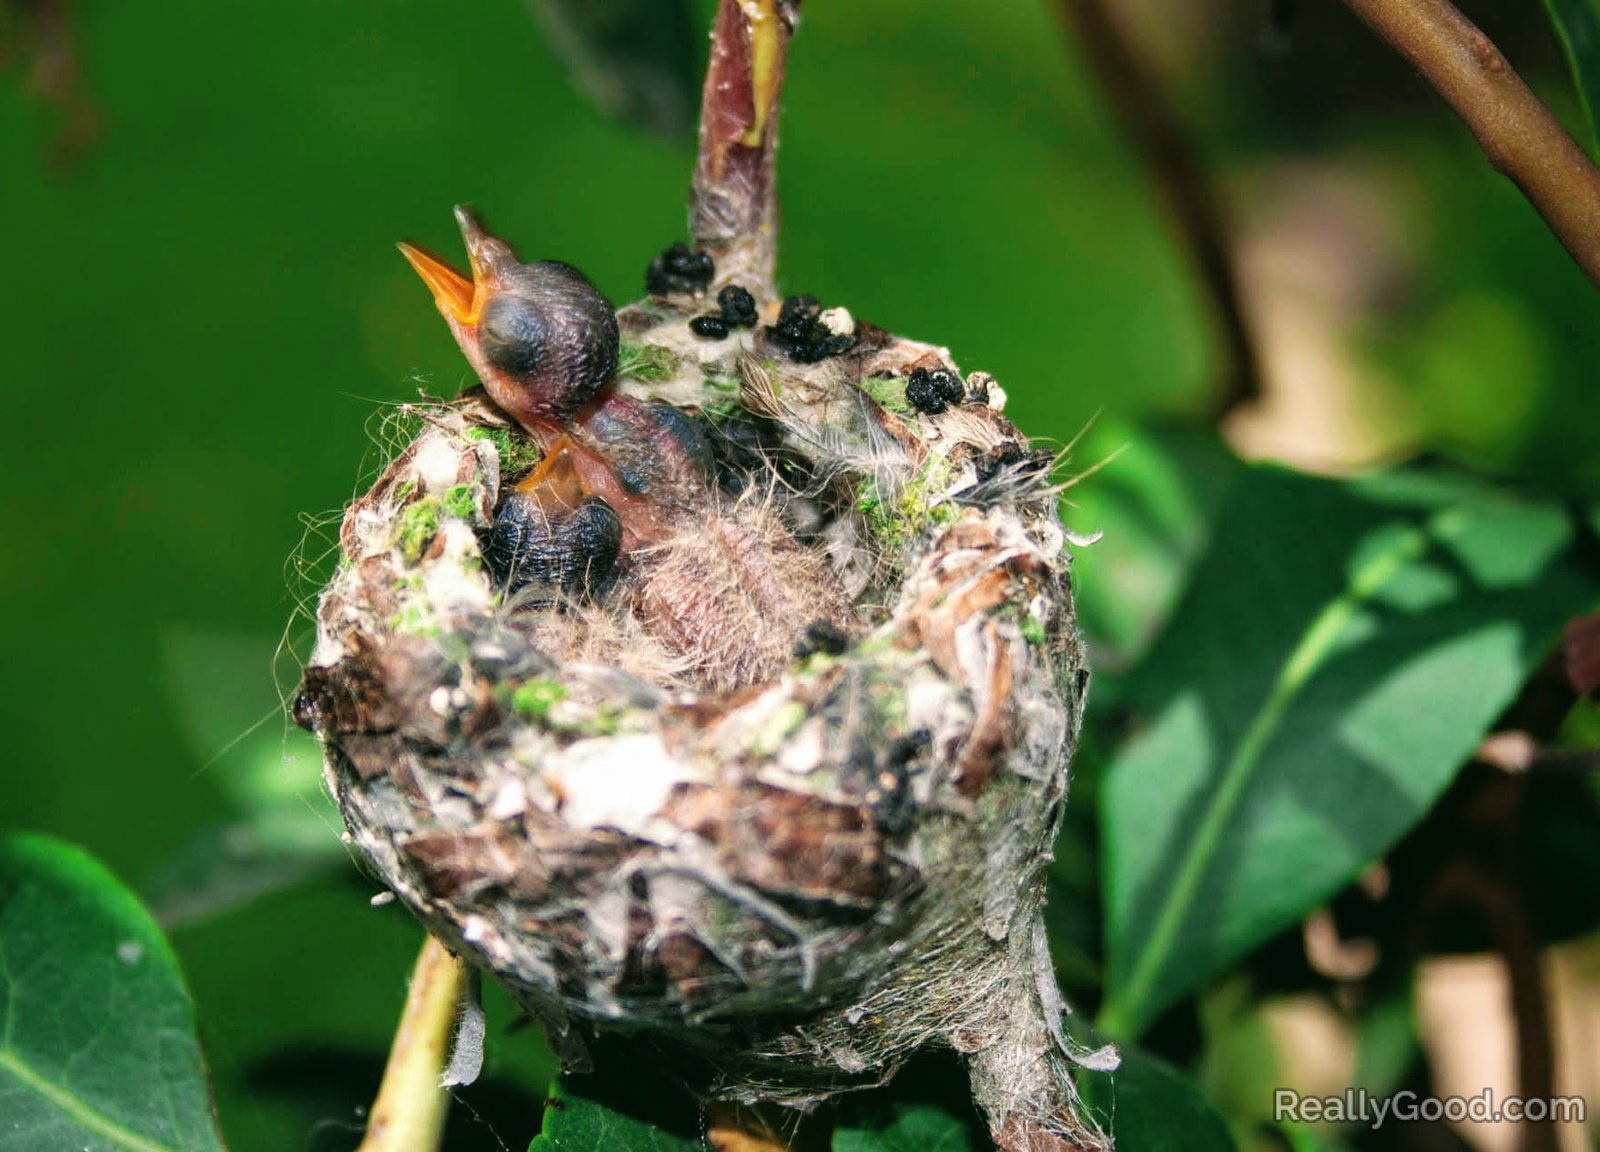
[{"x": 785, "y": 793}]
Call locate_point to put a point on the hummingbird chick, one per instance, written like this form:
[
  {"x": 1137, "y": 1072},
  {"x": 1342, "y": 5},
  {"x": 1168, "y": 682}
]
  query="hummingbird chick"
[{"x": 625, "y": 500}]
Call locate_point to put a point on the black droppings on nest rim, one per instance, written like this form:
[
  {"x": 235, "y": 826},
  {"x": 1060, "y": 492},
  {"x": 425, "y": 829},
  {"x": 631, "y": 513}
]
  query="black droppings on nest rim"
[
  {"x": 809, "y": 335},
  {"x": 736, "y": 309},
  {"x": 934, "y": 391},
  {"x": 738, "y": 306},
  {"x": 711, "y": 326},
  {"x": 678, "y": 269},
  {"x": 822, "y": 637}
]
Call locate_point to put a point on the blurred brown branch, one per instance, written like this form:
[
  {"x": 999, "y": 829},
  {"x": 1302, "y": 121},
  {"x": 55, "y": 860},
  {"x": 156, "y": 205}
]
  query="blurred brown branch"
[
  {"x": 1155, "y": 133},
  {"x": 42, "y": 33},
  {"x": 1518, "y": 134}
]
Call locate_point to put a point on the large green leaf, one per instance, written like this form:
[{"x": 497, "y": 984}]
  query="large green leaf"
[
  {"x": 98, "y": 1052},
  {"x": 1340, "y": 652},
  {"x": 1149, "y": 1106},
  {"x": 1150, "y": 503},
  {"x": 1578, "y": 25}
]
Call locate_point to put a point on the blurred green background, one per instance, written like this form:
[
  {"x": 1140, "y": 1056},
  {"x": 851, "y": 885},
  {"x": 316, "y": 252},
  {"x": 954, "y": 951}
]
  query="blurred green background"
[{"x": 205, "y": 315}]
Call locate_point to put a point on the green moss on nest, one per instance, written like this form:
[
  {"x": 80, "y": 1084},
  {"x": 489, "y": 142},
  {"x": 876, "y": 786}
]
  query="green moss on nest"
[
  {"x": 721, "y": 382},
  {"x": 606, "y": 721},
  {"x": 417, "y": 524},
  {"x": 778, "y": 728},
  {"x": 460, "y": 501},
  {"x": 920, "y": 505},
  {"x": 877, "y": 511},
  {"x": 886, "y": 393},
  {"x": 648, "y": 362},
  {"x": 413, "y": 620},
  {"x": 518, "y": 453},
  {"x": 537, "y": 696}
]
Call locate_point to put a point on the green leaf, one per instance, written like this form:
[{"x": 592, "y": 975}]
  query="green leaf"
[
  {"x": 1340, "y": 652},
  {"x": 904, "y": 1127},
  {"x": 1240, "y": 1062},
  {"x": 99, "y": 1051},
  {"x": 1578, "y": 26},
  {"x": 629, "y": 1110},
  {"x": 926, "y": 1108},
  {"x": 1148, "y": 1105},
  {"x": 1151, "y": 504}
]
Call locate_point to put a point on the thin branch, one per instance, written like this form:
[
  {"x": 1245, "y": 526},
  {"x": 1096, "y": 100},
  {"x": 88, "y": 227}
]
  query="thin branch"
[
  {"x": 409, "y": 1113},
  {"x": 1501, "y": 902},
  {"x": 734, "y": 207},
  {"x": 1518, "y": 134},
  {"x": 1135, "y": 99}
]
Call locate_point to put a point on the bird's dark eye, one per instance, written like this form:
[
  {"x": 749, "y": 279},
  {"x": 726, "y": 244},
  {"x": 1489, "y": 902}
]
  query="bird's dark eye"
[{"x": 515, "y": 335}]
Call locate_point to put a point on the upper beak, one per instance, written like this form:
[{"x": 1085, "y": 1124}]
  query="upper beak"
[{"x": 457, "y": 296}]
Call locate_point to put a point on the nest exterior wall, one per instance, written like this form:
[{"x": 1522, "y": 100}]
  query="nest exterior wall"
[{"x": 806, "y": 875}]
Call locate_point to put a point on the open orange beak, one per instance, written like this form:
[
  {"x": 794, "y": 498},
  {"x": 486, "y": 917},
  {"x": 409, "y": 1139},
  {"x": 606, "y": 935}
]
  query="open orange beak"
[{"x": 456, "y": 296}]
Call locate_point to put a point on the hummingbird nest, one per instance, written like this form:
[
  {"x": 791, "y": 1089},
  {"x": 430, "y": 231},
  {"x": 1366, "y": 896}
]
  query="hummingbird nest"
[
  {"x": 712, "y": 672},
  {"x": 808, "y": 839}
]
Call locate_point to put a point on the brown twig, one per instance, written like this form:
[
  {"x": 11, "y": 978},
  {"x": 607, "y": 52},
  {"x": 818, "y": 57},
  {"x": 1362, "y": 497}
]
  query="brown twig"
[
  {"x": 1500, "y": 902},
  {"x": 1135, "y": 99},
  {"x": 1482, "y": 869},
  {"x": 734, "y": 210},
  {"x": 1518, "y": 134}
]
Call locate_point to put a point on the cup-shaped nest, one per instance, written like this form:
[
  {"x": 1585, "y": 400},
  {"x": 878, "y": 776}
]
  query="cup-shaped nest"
[{"x": 782, "y": 788}]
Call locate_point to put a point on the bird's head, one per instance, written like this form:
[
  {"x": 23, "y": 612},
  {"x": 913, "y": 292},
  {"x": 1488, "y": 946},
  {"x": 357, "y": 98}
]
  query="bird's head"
[{"x": 540, "y": 336}]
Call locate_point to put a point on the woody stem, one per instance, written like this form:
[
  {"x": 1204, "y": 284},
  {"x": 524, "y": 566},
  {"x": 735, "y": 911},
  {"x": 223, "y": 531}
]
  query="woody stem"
[
  {"x": 1518, "y": 134},
  {"x": 409, "y": 1113},
  {"x": 733, "y": 203}
]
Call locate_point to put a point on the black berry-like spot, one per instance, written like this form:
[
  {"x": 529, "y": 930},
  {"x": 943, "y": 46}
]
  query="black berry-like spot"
[
  {"x": 305, "y": 711},
  {"x": 796, "y": 316},
  {"x": 933, "y": 392},
  {"x": 738, "y": 306},
  {"x": 710, "y": 326},
  {"x": 679, "y": 270},
  {"x": 821, "y": 637},
  {"x": 891, "y": 800},
  {"x": 801, "y": 333}
]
